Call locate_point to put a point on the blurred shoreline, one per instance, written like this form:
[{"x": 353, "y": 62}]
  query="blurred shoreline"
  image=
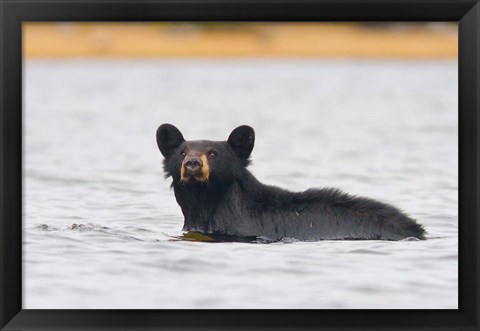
[{"x": 223, "y": 40}]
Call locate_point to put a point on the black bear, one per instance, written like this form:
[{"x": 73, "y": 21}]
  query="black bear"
[{"x": 221, "y": 198}]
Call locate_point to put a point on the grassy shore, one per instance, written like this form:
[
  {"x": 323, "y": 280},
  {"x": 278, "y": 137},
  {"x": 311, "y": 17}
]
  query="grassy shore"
[{"x": 139, "y": 40}]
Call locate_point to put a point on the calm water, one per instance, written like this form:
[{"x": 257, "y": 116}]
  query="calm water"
[{"x": 100, "y": 221}]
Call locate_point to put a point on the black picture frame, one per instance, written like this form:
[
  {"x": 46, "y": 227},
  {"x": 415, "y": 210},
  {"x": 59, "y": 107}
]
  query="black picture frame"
[{"x": 14, "y": 12}]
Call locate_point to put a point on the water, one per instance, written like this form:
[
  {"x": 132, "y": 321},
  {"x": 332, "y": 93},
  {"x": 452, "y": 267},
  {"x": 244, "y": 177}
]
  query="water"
[{"x": 100, "y": 221}]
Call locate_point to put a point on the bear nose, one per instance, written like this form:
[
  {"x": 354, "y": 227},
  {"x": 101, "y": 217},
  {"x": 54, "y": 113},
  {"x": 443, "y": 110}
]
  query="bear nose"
[{"x": 193, "y": 163}]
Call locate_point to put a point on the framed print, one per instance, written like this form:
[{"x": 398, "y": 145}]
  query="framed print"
[{"x": 240, "y": 165}]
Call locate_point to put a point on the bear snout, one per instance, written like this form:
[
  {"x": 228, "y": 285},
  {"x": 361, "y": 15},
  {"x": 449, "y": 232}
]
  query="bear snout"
[{"x": 195, "y": 166}]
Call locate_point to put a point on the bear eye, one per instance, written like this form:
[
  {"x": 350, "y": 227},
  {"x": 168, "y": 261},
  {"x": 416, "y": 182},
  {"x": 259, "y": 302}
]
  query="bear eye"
[{"x": 212, "y": 153}]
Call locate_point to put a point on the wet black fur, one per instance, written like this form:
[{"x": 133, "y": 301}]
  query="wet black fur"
[{"x": 234, "y": 203}]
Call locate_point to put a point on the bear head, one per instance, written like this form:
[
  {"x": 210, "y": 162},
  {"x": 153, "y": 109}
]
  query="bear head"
[{"x": 203, "y": 161}]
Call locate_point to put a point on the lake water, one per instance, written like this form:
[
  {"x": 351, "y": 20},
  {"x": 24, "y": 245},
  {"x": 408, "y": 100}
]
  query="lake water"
[{"x": 100, "y": 221}]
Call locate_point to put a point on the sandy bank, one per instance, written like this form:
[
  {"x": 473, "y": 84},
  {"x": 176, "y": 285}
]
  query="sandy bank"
[{"x": 46, "y": 40}]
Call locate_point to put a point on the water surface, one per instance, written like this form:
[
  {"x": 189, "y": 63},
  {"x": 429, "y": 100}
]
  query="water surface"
[{"x": 100, "y": 221}]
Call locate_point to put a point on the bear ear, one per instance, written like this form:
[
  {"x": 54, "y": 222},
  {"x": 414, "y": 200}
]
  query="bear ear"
[
  {"x": 168, "y": 139},
  {"x": 242, "y": 140}
]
